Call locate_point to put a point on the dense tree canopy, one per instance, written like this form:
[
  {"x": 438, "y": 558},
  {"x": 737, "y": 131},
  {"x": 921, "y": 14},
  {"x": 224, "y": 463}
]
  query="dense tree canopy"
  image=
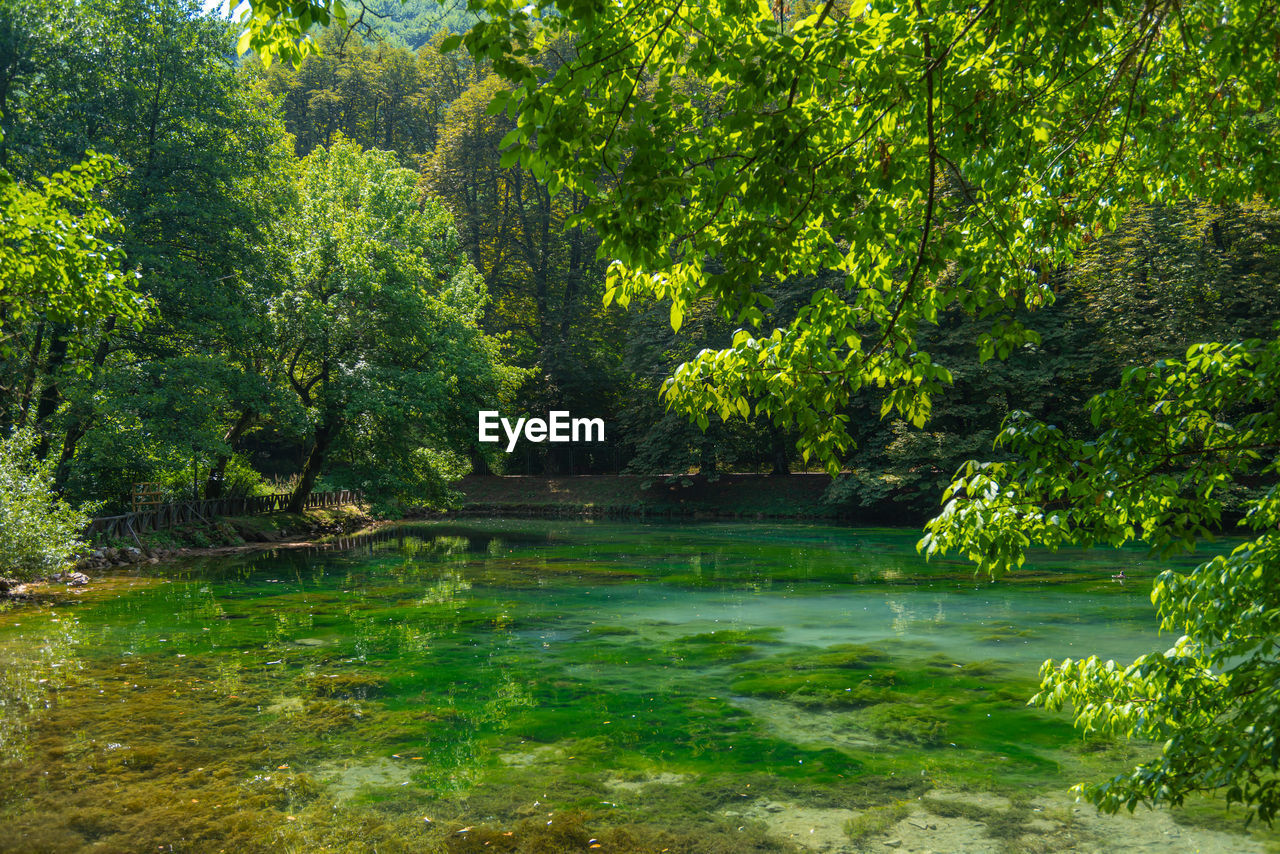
[
  {"x": 143, "y": 314},
  {"x": 56, "y": 261},
  {"x": 943, "y": 155}
]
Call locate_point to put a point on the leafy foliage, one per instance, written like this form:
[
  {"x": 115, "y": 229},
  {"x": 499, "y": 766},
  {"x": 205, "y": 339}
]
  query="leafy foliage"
[
  {"x": 940, "y": 158},
  {"x": 195, "y": 190},
  {"x": 38, "y": 530},
  {"x": 375, "y": 93},
  {"x": 1176, "y": 437},
  {"x": 863, "y": 190},
  {"x": 378, "y": 324},
  {"x": 948, "y": 158},
  {"x": 55, "y": 258},
  {"x": 278, "y": 30},
  {"x": 417, "y": 22}
]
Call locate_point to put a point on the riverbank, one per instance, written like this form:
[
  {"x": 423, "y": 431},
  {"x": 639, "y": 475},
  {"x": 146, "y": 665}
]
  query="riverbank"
[
  {"x": 625, "y": 497},
  {"x": 730, "y": 496},
  {"x": 216, "y": 537}
]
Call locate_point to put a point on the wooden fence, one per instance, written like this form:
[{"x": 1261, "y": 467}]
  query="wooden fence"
[{"x": 183, "y": 512}]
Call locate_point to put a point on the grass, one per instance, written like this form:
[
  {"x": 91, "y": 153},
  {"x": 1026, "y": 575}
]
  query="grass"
[{"x": 272, "y": 526}]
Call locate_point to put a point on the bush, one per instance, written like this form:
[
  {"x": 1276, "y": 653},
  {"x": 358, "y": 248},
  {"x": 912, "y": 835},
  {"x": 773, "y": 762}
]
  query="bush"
[{"x": 38, "y": 530}]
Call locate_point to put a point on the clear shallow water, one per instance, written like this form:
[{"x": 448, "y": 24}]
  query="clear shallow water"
[{"x": 551, "y": 686}]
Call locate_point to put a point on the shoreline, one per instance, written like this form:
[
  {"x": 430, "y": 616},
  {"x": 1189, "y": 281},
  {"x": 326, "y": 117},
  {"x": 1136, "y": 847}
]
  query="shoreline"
[{"x": 255, "y": 533}]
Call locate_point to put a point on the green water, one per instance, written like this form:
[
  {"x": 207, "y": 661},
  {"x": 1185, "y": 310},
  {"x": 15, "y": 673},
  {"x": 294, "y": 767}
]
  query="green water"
[{"x": 551, "y": 686}]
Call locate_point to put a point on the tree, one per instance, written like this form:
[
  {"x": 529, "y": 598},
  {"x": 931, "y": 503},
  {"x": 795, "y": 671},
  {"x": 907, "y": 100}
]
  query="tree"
[
  {"x": 61, "y": 281},
  {"x": 1167, "y": 278},
  {"x": 540, "y": 268},
  {"x": 944, "y": 155},
  {"x": 200, "y": 168},
  {"x": 375, "y": 93},
  {"x": 953, "y": 156},
  {"x": 417, "y": 22},
  {"x": 378, "y": 326}
]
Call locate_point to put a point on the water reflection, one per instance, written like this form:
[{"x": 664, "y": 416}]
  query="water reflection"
[{"x": 35, "y": 665}]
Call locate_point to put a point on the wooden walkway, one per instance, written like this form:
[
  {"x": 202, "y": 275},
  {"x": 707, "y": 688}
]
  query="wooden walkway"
[{"x": 184, "y": 512}]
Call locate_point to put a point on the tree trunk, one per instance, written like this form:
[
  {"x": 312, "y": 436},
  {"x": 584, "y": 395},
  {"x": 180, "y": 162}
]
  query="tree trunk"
[
  {"x": 29, "y": 381},
  {"x": 81, "y": 421},
  {"x": 326, "y": 433},
  {"x": 213, "y": 486},
  {"x": 781, "y": 466},
  {"x": 576, "y": 264},
  {"x": 75, "y": 432},
  {"x": 50, "y": 396}
]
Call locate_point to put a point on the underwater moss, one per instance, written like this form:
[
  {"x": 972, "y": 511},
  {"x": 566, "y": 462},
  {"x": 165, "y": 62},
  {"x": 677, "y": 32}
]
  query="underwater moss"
[
  {"x": 610, "y": 631},
  {"x": 579, "y": 831},
  {"x": 430, "y": 697},
  {"x": 817, "y": 688},
  {"x": 322, "y": 717},
  {"x": 876, "y": 820},
  {"x": 347, "y": 686},
  {"x": 1002, "y": 824},
  {"x": 1212, "y": 814},
  {"x": 1002, "y": 633},
  {"x": 952, "y": 667},
  {"x": 695, "y": 654},
  {"x": 904, "y": 723},
  {"x": 731, "y": 636},
  {"x": 840, "y": 656}
]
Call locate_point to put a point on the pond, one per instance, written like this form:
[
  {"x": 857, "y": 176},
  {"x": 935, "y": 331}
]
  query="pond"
[{"x": 540, "y": 686}]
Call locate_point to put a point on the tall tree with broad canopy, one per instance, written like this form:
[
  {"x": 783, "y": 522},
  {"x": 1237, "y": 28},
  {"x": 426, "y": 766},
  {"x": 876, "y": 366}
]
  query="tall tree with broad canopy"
[
  {"x": 379, "y": 326},
  {"x": 198, "y": 172},
  {"x": 56, "y": 258},
  {"x": 944, "y": 155}
]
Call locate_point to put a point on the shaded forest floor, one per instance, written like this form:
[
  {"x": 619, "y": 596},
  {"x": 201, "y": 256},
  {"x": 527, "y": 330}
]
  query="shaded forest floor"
[{"x": 730, "y": 496}]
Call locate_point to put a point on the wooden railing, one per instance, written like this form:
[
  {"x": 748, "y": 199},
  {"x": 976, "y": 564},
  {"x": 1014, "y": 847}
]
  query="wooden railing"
[{"x": 184, "y": 512}]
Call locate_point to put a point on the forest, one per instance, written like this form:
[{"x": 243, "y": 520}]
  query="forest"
[
  {"x": 232, "y": 352},
  {"x": 1010, "y": 272}
]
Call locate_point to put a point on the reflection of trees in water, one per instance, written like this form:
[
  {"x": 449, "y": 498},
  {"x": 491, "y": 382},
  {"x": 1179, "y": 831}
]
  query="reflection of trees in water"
[
  {"x": 229, "y": 676},
  {"x": 457, "y": 757},
  {"x": 435, "y": 605},
  {"x": 448, "y": 587},
  {"x": 904, "y": 617},
  {"x": 34, "y": 666},
  {"x": 290, "y": 622},
  {"x": 438, "y": 541}
]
